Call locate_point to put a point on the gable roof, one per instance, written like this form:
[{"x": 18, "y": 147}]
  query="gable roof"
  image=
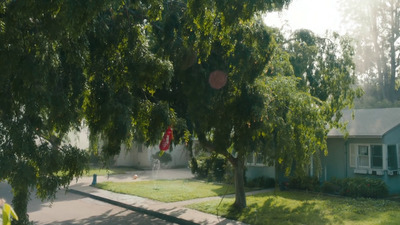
[{"x": 372, "y": 123}]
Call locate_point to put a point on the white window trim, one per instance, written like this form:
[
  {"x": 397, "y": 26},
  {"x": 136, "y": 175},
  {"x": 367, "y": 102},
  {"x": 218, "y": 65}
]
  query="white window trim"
[
  {"x": 353, "y": 159},
  {"x": 254, "y": 160},
  {"x": 369, "y": 156}
]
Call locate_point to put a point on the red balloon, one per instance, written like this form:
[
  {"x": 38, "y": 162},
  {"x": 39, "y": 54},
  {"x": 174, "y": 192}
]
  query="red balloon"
[{"x": 166, "y": 140}]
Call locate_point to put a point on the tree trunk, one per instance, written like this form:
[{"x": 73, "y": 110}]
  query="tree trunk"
[
  {"x": 20, "y": 203},
  {"x": 240, "y": 195}
]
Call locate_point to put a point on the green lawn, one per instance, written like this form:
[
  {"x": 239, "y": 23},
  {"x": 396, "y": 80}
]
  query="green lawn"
[
  {"x": 102, "y": 171},
  {"x": 288, "y": 207},
  {"x": 306, "y": 208},
  {"x": 168, "y": 190}
]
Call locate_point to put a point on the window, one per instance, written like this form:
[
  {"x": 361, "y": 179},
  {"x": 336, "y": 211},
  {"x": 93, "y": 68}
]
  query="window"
[
  {"x": 363, "y": 156},
  {"x": 250, "y": 158},
  {"x": 392, "y": 157},
  {"x": 259, "y": 158},
  {"x": 255, "y": 158},
  {"x": 376, "y": 156}
]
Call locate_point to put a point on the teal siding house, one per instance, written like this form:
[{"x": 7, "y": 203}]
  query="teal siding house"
[{"x": 371, "y": 148}]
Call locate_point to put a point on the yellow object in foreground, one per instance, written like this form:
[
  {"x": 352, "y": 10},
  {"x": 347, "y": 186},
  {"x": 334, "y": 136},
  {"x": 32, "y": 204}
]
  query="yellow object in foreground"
[{"x": 8, "y": 212}]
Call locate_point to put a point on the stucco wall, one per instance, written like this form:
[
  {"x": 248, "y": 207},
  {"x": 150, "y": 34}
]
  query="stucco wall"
[{"x": 140, "y": 156}]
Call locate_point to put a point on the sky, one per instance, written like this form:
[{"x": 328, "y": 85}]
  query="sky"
[{"x": 315, "y": 15}]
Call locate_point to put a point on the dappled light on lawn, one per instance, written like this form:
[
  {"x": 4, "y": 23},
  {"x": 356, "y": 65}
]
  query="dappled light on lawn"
[{"x": 306, "y": 208}]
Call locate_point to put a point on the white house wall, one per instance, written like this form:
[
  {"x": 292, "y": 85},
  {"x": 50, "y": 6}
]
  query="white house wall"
[{"x": 140, "y": 156}]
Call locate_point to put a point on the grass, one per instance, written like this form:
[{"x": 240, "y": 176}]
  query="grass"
[
  {"x": 103, "y": 171},
  {"x": 169, "y": 190},
  {"x": 306, "y": 208}
]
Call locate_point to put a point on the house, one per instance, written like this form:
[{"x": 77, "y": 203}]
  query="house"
[
  {"x": 371, "y": 148},
  {"x": 140, "y": 156},
  {"x": 137, "y": 155}
]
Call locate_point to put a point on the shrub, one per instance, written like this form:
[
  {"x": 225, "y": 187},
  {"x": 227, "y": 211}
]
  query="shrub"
[
  {"x": 212, "y": 168},
  {"x": 229, "y": 174},
  {"x": 364, "y": 187},
  {"x": 330, "y": 187},
  {"x": 164, "y": 158},
  {"x": 357, "y": 187},
  {"x": 304, "y": 183},
  {"x": 218, "y": 168},
  {"x": 261, "y": 182}
]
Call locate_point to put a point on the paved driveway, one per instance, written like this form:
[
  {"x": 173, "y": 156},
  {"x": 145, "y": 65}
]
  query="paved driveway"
[{"x": 69, "y": 208}]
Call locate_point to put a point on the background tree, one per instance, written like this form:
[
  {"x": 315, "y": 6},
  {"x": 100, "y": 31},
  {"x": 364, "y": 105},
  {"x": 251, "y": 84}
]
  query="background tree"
[
  {"x": 324, "y": 86},
  {"x": 375, "y": 27}
]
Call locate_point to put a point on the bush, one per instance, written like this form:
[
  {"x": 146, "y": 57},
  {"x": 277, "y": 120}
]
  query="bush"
[
  {"x": 364, "y": 187},
  {"x": 212, "y": 168},
  {"x": 304, "y": 183},
  {"x": 164, "y": 159},
  {"x": 330, "y": 187},
  {"x": 261, "y": 182},
  {"x": 229, "y": 176},
  {"x": 357, "y": 187}
]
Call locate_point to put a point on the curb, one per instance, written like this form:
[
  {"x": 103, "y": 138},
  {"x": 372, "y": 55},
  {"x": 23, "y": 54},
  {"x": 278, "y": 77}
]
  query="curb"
[{"x": 162, "y": 216}]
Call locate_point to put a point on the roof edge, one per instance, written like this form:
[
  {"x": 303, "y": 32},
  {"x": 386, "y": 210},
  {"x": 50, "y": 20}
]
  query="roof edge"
[{"x": 356, "y": 136}]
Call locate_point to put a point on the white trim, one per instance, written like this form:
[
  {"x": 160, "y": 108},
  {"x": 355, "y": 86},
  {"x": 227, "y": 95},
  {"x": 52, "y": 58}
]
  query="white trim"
[
  {"x": 254, "y": 160},
  {"x": 353, "y": 156},
  {"x": 358, "y": 156},
  {"x": 385, "y": 156}
]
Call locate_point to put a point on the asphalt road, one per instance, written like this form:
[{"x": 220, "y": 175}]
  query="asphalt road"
[{"x": 70, "y": 208}]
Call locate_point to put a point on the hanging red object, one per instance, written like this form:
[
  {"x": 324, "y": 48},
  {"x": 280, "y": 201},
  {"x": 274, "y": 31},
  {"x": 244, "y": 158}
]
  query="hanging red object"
[{"x": 166, "y": 140}]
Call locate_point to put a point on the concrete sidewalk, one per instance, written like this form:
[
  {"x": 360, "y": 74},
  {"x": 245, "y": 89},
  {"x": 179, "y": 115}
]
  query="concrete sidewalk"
[{"x": 172, "y": 212}]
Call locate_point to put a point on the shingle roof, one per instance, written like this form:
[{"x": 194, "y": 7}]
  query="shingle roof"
[{"x": 369, "y": 122}]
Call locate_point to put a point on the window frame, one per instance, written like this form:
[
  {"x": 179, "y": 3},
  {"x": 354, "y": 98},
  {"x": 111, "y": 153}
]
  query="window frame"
[
  {"x": 368, "y": 156},
  {"x": 253, "y": 159},
  {"x": 354, "y": 156}
]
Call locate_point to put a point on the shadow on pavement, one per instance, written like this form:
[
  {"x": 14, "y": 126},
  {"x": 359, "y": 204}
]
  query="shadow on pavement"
[{"x": 121, "y": 218}]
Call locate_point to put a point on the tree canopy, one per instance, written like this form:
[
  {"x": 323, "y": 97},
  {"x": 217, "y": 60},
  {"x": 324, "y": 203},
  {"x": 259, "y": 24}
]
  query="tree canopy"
[{"x": 129, "y": 69}]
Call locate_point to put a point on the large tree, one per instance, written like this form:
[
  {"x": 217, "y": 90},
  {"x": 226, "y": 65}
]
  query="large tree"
[
  {"x": 61, "y": 62},
  {"x": 251, "y": 112},
  {"x": 129, "y": 69},
  {"x": 66, "y": 60}
]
